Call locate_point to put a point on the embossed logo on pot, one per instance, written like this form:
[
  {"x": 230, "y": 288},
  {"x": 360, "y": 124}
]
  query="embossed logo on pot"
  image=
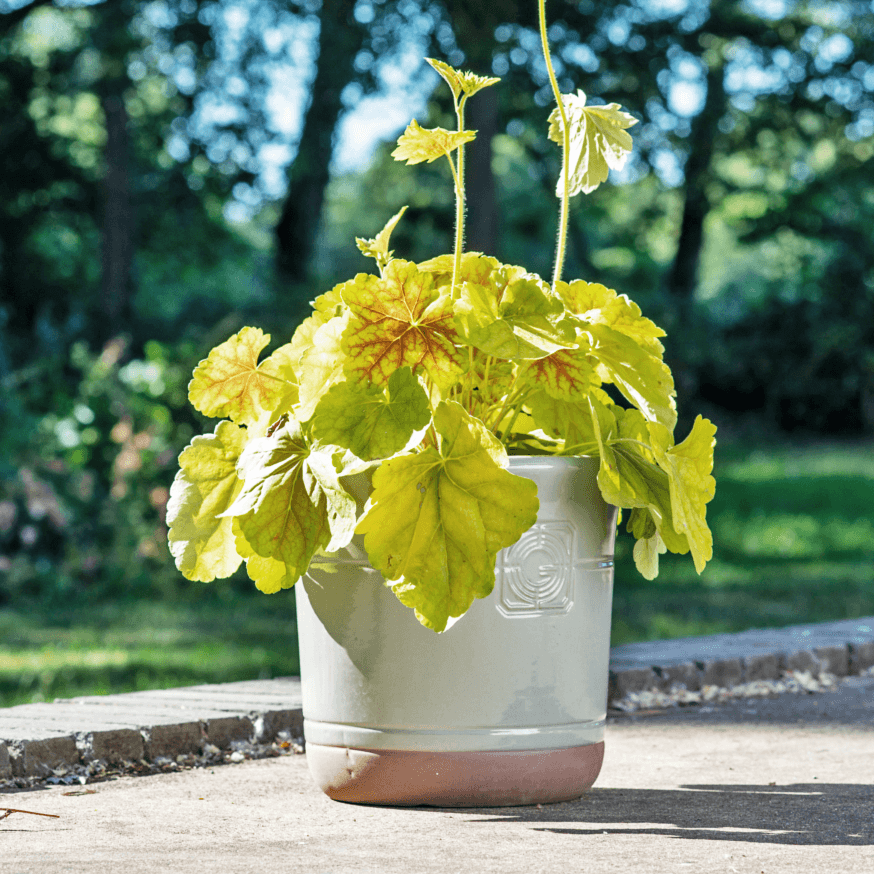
[{"x": 536, "y": 572}]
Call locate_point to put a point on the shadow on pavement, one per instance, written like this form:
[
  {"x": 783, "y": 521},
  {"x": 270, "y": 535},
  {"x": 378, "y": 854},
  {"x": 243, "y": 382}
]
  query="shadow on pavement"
[{"x": 807, "y": 814}]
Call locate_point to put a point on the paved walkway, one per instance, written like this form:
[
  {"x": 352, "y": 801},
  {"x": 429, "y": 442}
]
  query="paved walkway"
[
  {"x": 784, "y": 784},
  {"x": 732, "y": 788}
]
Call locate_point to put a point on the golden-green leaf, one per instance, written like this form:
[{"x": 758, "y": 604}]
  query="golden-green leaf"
[
  {"x": 689, "y": 466},
  {"x": 292, "y": 502},
  {"x": 511, "y": 314},
  {"x": 268, "y": 574},
  {"x": 628, "y": 477},
  {"x": 598, "y": 141},
  {"x": 230, "y": 382},
  {"x": 417, "y": 144},
  {"x": 206, "y": 485},
  {"x": 437, "y": 519},
  {"x": 642, "y": 377},
  {"x": 568, "y": 374},
  {"x": 568, "y": 421},
  {"x": 401, "y": 319},
  {"x": 370, "y": 421},
  {"x": 378, "y": 246},
  {"x": 321, "y": 363},
  {"x": 598, "y": 305},
  {"x": 461, "y": 82}
]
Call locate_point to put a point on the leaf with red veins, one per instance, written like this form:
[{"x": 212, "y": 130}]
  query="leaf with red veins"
[
  {"x": 568, "y": 374},
  {"x": 400, "y": 319}
]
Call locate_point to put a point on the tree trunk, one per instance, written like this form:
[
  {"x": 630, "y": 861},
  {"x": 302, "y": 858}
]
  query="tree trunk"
[
  {"x": 116, "y": 285},
  {"x": 340, "y": 40},
  {"x": 483, "y": 223},
  {"x": 683, "y": 276}
]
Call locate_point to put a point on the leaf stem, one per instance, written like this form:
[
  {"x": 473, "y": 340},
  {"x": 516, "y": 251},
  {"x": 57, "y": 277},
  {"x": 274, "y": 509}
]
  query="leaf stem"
[
  {"x": 565, "y": 150},
  {"x": 471, "y": 376},
  {"x": 509, "y": 429},
  {"x": 459, "y": 198},
  {"x": 510, "y": 400}
]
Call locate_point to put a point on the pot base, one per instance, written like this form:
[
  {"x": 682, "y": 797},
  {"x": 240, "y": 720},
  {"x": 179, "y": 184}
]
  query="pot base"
[{"x": 454, "y": 779}]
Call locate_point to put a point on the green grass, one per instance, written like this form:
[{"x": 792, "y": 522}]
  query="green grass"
[
  {"x": 793, "y": 530},
  {"x": 794, "y": 542},
  {"x": 135, "y": 645}
]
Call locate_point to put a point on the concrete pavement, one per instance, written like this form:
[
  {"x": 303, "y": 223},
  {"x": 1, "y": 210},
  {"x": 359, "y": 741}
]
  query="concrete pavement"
[{"x": 744, "y": 787}]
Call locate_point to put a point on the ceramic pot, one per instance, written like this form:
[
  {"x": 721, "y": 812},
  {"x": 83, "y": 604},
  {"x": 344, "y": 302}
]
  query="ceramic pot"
[{"x": 507, "y": 706}]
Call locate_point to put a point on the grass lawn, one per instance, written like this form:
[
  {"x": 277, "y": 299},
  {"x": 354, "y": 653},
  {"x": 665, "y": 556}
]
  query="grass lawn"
[
  {"x": 47, "y": 654},
  {"x": 793, "y": 530},
  {"x": 794, "y": 542}
]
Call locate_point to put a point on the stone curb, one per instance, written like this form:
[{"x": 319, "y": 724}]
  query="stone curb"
[
  {"x": 840, "y": 648},
  {"x": 36, "y": 739}
]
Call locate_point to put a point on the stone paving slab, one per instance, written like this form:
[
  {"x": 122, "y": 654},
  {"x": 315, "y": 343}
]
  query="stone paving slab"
[
  {"x": 840, "y": 648},
  {"x": 36, "y": 738}
]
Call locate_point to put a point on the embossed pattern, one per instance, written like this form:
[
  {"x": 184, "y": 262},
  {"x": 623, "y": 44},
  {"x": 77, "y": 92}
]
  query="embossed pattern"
[{"x": 536, "y": 574}]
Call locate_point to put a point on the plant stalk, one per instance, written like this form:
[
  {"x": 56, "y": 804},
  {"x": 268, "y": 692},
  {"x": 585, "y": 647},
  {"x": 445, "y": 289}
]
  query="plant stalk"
[
  {"x": 565, "y": 150},
  {"x": 459, "y": 199}
]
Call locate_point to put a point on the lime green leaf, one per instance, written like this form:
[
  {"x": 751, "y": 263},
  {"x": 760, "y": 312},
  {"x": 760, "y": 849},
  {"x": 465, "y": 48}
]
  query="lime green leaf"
[
  {"x": 689, "y": 467},
  {"x": 646, "y": 555},
  {"x": 492, "y": 378},
  {"x": 282, "y": 366},
  {"x": 512, "y": 315},
  {"x": 569, "y": 421},
  {"x": 378, "y": 246},
  {"x": 568, "y": 374},
  {"x": 599, "y": 305},
  {"x": 461, "y": 82},
  {"x": 321, "y": 364},
  {"x": 326, "y": 306},
  {"x": 369, "y": 421},
  {"x": 417, "y": 144},
  {"x": 292, "y": 502},
  {"x": 642, "y": 377},
  {"x": 628, "y": 477},
  {"x": 229, "y": 382},
  {"x": 475, "y": 267},
  {"x": 401, "y": 319},
  {"x": 437, "y": 519},
  {"x": 201, "y": 540},
  {"x": 268, "y": 574},
  {"x": 598, "y": 141}
]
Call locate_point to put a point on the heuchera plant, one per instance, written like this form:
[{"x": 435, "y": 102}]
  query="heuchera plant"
[{"x": 424, "y": 377}]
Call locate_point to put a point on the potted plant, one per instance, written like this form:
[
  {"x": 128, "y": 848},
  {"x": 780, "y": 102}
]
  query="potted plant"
[{"x": 426, "y": 424}]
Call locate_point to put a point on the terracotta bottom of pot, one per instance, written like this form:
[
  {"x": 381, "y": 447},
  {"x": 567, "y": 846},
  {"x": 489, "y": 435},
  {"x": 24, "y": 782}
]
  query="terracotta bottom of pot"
[{"x": 454, "y": 779}]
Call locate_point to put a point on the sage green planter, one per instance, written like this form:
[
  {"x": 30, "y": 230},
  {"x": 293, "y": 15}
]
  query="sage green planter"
[{"x": 507, "y": 706}]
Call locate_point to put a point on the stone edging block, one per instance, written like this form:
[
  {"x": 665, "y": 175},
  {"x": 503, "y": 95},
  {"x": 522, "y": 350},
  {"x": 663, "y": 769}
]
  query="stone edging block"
[
  {"x": 36, "y": 739},
  {"x": 171, "y": 741},
  {"x": 861, "y": 656},
  {"x": 841, "y": 648}
]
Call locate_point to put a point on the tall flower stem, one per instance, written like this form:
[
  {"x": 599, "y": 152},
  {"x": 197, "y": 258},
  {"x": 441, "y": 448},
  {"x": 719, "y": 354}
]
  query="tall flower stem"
[
  {"x": 565, "y": 149},
  {"x": 459, "y": 198}
]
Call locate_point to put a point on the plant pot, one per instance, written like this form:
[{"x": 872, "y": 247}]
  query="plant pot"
[{"x": 505, "y": 707}]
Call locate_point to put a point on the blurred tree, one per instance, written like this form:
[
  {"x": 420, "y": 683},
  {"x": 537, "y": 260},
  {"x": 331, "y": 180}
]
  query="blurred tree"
[
  {"x": 103, "y": 164},
  {"x": 341, "y": 39}
]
